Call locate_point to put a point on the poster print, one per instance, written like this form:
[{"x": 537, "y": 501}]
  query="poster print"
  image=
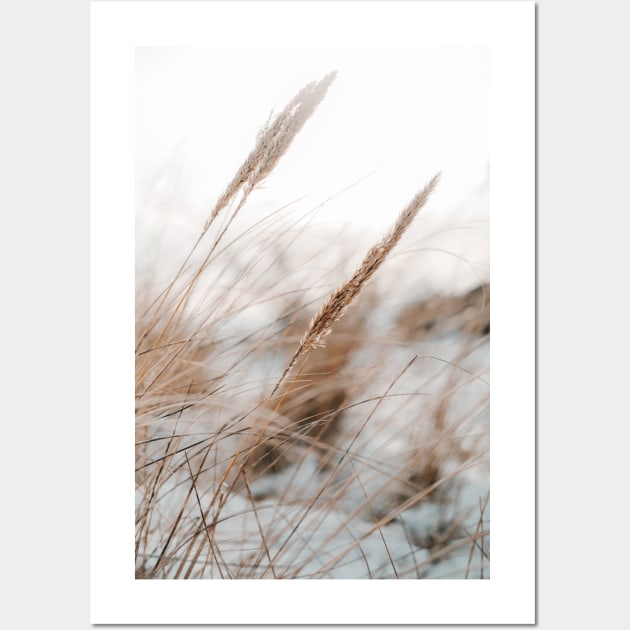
[{"x": 312, "y": 308}]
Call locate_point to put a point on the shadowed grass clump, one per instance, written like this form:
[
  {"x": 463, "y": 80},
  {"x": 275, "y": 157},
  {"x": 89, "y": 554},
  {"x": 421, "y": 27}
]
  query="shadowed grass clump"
[{"x": 274, "y": 442}]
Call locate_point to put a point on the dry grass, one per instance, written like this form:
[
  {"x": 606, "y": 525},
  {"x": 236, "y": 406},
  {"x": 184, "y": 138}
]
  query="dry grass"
[
  {"x": 333, "y": 309},
  {"x": 271, "y": 442}
]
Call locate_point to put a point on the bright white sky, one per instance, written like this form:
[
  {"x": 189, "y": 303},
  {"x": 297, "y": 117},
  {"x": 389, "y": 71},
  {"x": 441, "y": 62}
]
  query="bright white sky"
[{"x": 407, "y": 112}]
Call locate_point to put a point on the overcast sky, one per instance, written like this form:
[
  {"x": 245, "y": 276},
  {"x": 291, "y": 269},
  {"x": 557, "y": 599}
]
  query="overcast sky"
[{"x": 403, "y": 112}]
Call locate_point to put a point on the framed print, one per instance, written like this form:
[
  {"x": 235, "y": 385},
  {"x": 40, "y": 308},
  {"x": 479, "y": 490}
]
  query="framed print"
[{"x": 304, "y": 218}]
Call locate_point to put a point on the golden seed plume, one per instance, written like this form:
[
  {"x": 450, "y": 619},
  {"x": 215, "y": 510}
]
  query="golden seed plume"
[
  {"x": 273, "y": 141},
  {"x": 333, "y": 309}
]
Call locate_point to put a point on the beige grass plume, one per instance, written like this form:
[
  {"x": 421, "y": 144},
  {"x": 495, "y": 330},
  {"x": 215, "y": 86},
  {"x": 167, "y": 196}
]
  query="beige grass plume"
[
  {"x": 272, "y": 142},
  {"x": 333, "y": 309}
]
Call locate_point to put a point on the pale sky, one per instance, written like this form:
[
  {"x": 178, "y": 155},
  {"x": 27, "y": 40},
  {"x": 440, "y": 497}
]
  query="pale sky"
[{"x": 406, "y": 112}]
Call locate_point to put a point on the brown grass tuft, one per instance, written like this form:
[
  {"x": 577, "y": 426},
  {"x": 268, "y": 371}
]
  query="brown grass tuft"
[
  {"x": 333, "y": 309},
  {"x": 272, "y": 143}
]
